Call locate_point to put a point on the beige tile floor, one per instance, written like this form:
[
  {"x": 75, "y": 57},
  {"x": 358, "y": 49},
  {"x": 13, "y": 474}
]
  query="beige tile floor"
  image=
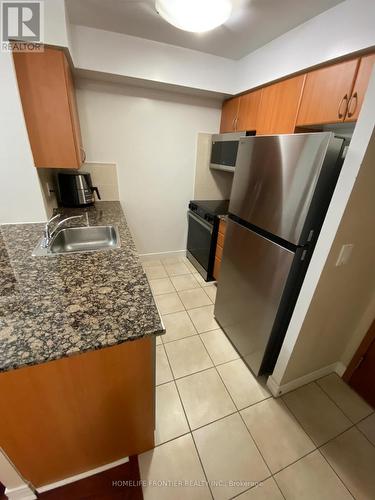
[{"x": 220, "y": 434}]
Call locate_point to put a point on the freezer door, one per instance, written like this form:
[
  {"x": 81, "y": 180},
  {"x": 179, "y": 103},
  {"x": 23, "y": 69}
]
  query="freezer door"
[
  {"x": 253, "y": 275},
  {"x": 275, "y": 180}
]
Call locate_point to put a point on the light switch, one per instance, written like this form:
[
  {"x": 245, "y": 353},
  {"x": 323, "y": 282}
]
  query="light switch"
[{"x": 344, "y": 255}]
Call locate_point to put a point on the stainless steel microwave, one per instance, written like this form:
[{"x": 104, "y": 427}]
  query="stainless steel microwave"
[{"x": 224, "y": 151}]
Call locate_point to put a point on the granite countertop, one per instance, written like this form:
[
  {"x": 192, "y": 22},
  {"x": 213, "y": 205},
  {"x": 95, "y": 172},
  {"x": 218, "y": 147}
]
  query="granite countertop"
[{"x": 53, "y": 307}]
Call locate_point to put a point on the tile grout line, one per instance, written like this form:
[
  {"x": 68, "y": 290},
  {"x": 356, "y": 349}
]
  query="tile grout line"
[
  {"x": 221, "y": 418},
  {"x": 336, "y": 473},
  {"x": 363, "y": 434},
  {"x": 300, "y": 424},
  {"x": 239, "y": 413},
  {"x": 336, "y": 435},
  {"x": 175, "y": 340},
  {"x": 191, "y": 432},
  {"x": 248, "y": 430},
  {"x": 317, "y": 448},
  {"x": 198, "y": 371},
  {"x": 169, "y": 276},
  {"x": 353, "y": 424},
  {"x": 330, "y": 397},
  {"x": 264, "y": 460}
]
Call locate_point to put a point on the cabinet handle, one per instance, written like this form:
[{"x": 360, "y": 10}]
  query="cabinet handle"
[
  {"x": 345, "y": 98},
  {"x": 235, "y": 123},
  {"x": 83, "y": 154},
  {"x": 354, "y": 98}
]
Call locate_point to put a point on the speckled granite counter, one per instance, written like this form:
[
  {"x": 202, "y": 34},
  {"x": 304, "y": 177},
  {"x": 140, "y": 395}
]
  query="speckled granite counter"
[{"x": 52, "y": 307}]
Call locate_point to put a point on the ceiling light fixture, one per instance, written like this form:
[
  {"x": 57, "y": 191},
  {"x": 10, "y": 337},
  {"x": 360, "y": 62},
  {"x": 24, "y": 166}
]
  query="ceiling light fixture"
[{"x": 194, "y": 15}]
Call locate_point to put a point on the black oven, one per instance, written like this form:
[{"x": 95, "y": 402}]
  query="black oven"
[
  {"x": 203, "y": 225},
  {"x": 201, "y": 244}
]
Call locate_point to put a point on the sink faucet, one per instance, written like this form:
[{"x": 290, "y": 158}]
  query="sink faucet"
[{"x": 49, "y": 233}]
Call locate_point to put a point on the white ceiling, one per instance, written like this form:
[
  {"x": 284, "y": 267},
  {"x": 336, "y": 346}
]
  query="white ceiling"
[{"x": 252, "y": 24}]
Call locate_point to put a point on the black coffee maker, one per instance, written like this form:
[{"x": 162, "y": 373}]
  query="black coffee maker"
[{"x": 75, "y": 189}]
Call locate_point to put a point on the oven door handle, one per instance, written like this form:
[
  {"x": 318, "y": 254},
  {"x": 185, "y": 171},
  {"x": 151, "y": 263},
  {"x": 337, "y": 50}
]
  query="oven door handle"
[{"x": 200, "y": 221}]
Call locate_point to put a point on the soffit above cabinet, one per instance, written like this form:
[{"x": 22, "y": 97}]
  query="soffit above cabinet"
[{"x": 253, "y": 23}]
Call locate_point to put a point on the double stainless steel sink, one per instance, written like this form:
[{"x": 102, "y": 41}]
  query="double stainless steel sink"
[{"x": 80, "y": 239}]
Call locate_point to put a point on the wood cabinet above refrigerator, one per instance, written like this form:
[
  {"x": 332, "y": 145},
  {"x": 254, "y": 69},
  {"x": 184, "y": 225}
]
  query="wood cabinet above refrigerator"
[
  {"x": 331, "y": 94},
  {"x": 49, "y": 105},
  {"x": 326, "y": 94},
  {"x": 360, "y": 86},
  {"x": 335, "y": 93},
  {"x": 279, "y": 106}
]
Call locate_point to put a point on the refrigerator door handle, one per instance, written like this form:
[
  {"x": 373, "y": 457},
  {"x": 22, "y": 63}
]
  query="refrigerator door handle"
[
  {"x": 310, "y": 236},
  {"x": 303, "y": 256}
]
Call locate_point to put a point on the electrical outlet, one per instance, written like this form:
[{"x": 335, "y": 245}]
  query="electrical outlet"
[
  {"x": 49, "y": 190},
  {"x": 344, "y": 255}
]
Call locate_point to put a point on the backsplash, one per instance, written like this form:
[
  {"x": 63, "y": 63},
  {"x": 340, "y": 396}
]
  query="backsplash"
[{"x": 103, "y": 175}]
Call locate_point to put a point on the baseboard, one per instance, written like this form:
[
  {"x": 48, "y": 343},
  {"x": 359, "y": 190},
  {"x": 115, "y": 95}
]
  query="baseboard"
[
  {"x": 21, "y": 493},
  {"x": 340, "y": 368},
  {"x": 162, "y": 255},
  {"x": 278, "y": 390},
  {"x": 83, "y": 475}
]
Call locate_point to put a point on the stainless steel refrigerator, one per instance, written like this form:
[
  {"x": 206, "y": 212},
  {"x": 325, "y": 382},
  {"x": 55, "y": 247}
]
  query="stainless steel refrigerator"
[{"x": 281, "y": 190}]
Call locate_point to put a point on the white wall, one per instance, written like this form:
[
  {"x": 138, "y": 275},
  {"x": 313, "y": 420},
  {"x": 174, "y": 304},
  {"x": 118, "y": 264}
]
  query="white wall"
[
  {"x": 20, "y": 195},
  {"x": 21, "y": 198},
  {"x": 344, "y": 29},
  {"x": 56, "y": 24},
  {"x": 119, "y": 54},
  {"x": 151, "y": 135}
]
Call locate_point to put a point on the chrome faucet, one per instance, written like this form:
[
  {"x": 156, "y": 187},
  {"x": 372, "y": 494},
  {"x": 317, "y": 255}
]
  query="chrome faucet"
[{"x": 49, "y": 234}]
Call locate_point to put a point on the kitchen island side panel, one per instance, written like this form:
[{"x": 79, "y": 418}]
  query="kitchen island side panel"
[{"x": 72, "y": 415}]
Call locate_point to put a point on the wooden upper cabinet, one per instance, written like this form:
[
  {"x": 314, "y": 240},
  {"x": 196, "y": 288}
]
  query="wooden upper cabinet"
[
  {"x": 49, "y": 105},
  {"x": 326, "y": 94},
  {"x": 240, "y": 113},
  {"x": 278, "y": 106},
  {"x": 229, "y": 115},
  {"x": 330, "y": 94},
  {"x": 248, "y": 110},
  {"x": 360, "y": 86}
]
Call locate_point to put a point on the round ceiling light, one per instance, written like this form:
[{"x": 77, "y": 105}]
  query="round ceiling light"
[{"x": 194, "y": 15}]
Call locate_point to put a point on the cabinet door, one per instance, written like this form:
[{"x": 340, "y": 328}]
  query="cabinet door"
[
  {"x": 326, "y": 94},
  {"x": 360, "y": 86},
  {"x": 48, "y": 102},
  {"x": 229, "y": 115},
  {"x": 278, "y": 107},
  {"x": 248, "y": 110},
  {"x": 74, "y": 112}
]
